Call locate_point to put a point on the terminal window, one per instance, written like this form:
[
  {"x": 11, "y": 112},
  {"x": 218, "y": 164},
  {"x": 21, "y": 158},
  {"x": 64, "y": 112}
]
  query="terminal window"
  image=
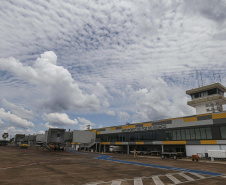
[{"x": 223, "y": 132}]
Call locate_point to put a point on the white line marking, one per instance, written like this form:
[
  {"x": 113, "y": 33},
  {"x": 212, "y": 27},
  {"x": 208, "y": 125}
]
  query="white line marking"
[
  {"x": 186, "y": 177},
  {"x": 172, "y": 178},
  {"x": 116, "y": 183},
  {"x": 198, "y": 175},
  {"x": 157, "y": 180},
  {"x": 138, "y": 181},
  {"x": 223, "y": 176}
]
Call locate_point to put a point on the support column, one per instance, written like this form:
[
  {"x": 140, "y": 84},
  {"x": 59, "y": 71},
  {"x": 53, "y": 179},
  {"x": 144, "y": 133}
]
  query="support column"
[
  {"x": 96, "y": 147},
  {"x": 127, "y": 149},
  {"x": 162, "y": 148},
  {"x": 104, "y": 148},
  {"x": 99, "y": 147}
]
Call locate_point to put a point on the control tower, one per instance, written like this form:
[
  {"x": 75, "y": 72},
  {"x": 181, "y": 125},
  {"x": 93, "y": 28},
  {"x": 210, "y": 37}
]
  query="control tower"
[{"x": 207, "y": 99}]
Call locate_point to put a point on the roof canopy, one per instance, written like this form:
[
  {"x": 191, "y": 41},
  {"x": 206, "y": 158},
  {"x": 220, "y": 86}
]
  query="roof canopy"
[{"x": 205, "y": 88}]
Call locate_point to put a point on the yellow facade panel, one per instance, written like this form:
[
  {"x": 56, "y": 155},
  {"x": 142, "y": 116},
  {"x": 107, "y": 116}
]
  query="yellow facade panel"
[
  {"x": 218, "y": 116},
  {"x": 139, "y": 143},
  {"x": 98, "y": 132},
  {"x": 147, "y": 124},
  {"x": 174, "y": 142},
  {"x": 208, "y": 142},
  {"x": 94, "y": 130},
  {"x": 190, "y": 119},
  {"x": 118, "y": 143},
  {"x": 113, "y": 128},
  {"x": 128, "y": 126},
  {"x": 105, "y": 143},
  {"x": 204, "y": 114}
]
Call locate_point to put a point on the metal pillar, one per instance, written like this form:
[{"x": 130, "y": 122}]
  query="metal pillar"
[
  {"x": 162, "y": 148},
  {"x": 127, "y": 149},
  {"x": 104, "y": 148},
  {"x": 96, "y": 147}
]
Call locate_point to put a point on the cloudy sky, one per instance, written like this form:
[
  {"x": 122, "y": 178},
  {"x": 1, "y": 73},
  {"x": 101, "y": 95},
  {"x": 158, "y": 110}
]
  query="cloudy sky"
[{"x": 69, "y": 64}]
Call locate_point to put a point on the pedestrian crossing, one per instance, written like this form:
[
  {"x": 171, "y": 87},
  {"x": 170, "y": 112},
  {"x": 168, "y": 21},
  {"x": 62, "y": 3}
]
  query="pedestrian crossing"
[{"x": 172, "y": 178}]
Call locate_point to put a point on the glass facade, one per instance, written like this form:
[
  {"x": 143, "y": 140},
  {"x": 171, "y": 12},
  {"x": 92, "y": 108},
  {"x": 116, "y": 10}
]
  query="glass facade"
[
  {"x": 188, "y": 134},
  {"x": 201, "y": 133},
  {"x": 126, "y": 137}
]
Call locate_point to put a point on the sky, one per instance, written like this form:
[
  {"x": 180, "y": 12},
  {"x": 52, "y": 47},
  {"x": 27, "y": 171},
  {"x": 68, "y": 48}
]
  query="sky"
[{"x": 69, "y": 64}]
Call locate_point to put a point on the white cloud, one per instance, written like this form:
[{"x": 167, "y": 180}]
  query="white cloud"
[
  {"x": 2, "y": 124},
  {"x": 123, "y": 116},
  {"x": 110, "y": 113},
  {"x": 85, "y": 123},
  {"x": 13, "y": 131},
  {"x": 15, "y": 120},
  {"x": 160, "y": 100},
  {"x": 54, "y": 81},
  {"x": 18, "y": 110},
  {"x": 108, "y": 53},
  {"x": 58, "y": 120},
  {"x": 41, "y": 132}
]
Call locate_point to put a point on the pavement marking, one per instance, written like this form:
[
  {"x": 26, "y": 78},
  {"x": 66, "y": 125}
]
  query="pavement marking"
[
  {"x": 172, "y": 178},
  {"x": 198, "y": 175},
  {"x": 116, "y": 183},
  {"x": 138, "y": 181},
  {"x": 157, "y": 180},
  {"x": 186, "y": 177},
  {"x": 108, "y": 158},
  {"x": 152, "y": 179}
]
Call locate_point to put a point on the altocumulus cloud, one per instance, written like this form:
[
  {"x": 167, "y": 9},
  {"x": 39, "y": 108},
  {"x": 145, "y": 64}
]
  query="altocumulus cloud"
[{"x": 54, "y": 81}]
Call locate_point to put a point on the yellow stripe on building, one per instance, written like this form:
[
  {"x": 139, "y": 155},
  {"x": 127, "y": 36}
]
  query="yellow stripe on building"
[
  {"x": 218, "y": 116},
  {"x": 139, "y": 143},
  {"x": 118, "y": 143},
  {"x": 113, "y": 128},
  {"x": 204, "y": 114},
  {"x": 147, "y": 124},
  {"x": 94, "y": 130},
  {"x": 128, "y": 126},
  {"x": 98, "y": 132},
  {"x": 190, "y": 119},
  {"x": 208, "y": 142},
  {"x": 174, "y": 142},
  {"x": 105, "y": 143}
]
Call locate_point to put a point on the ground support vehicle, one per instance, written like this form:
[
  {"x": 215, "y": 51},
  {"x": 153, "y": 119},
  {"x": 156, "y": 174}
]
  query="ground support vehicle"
[
  {"x": 137, "y": 152},
  {"x": 154, "y": 153},
  {"x": 195, "y": 158},
  {"x": 116, "y": 149},
  {"x": 23, "y": 145},
  {"x": 175, "y": 155}
]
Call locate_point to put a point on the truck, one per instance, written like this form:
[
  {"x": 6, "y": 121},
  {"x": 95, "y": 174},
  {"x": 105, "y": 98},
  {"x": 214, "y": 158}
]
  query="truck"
[
  {"x": 175, "y": 155},
  {"x": 116, "y": 149},
  {"x": 219, "y": 154}
]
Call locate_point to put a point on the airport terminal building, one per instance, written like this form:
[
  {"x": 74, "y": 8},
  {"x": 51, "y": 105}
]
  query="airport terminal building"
[{"x": 192, "y": 134}]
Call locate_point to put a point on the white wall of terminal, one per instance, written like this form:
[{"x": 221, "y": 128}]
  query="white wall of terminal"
[{"x": 80, "y": 136}]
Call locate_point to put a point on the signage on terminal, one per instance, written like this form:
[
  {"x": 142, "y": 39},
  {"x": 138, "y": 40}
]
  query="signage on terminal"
[{"x": 154, "y": 127}]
